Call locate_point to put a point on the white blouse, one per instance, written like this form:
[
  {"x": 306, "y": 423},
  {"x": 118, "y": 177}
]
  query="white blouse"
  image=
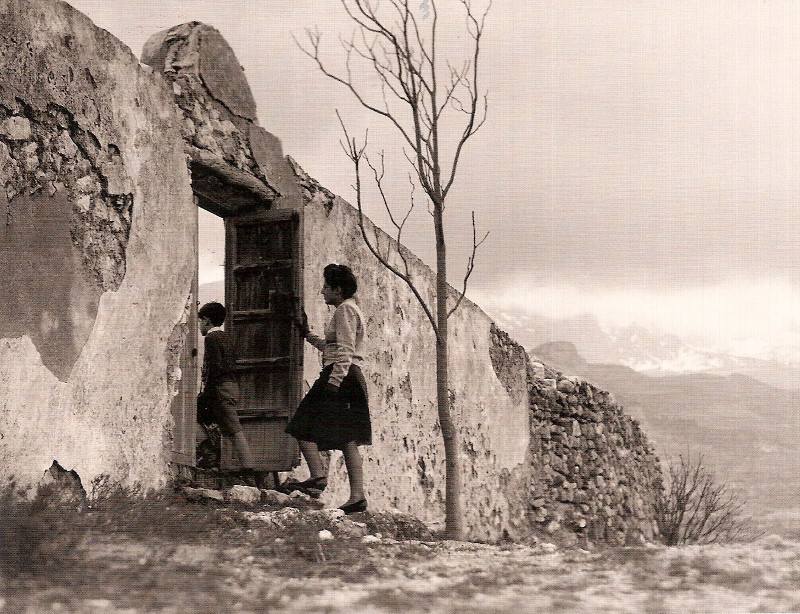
[{"x": 343, "y": 343}]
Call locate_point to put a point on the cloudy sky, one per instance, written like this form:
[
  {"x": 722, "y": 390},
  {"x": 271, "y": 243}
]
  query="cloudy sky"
[{"x": 640, "y": 160}]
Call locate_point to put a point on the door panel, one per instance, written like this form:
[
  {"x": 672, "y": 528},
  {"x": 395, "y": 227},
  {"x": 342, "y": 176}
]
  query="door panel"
[
  {"x": 264, "y": 392},
  {"x": 184, "y": 404},
  {"x": 259, "y": 288},
  {"x": 264, "y": 337},
  {"x": 263, "y": 268}
]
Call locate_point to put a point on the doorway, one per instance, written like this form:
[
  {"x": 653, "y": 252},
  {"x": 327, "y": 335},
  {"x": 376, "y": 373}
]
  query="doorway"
[
  {"x": 210, "y": 274},
  {"x": 250, "y": 260}
]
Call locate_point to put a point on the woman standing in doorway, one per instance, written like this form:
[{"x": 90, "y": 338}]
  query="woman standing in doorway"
[{"x": 334, "y": 415}]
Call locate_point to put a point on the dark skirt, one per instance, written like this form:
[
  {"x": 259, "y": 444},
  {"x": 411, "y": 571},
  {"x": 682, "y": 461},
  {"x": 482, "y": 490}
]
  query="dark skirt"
[{"x": 333, "y": 420}]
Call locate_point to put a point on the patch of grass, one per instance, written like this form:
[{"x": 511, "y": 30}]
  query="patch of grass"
[
  {"x": 398, "y": 526},
  {"x": 155, "y": 549},
  {"x": 678, "y": 567},
  {"x": 160, "y": 515},
  {"x": 565, "y": 603},
  {"x": 49, "y": 532},
  {"x": 723, "y": 572},
  {"x": 396, "y": 600},
  {"x": 636, "y": 556},
  {"x": 37, "y": 535}
]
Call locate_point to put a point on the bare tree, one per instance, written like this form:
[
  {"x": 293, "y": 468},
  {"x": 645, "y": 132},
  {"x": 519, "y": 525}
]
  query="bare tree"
[
  {"x": 694, "y": 508},
  {"x": 399, "y": 45}
]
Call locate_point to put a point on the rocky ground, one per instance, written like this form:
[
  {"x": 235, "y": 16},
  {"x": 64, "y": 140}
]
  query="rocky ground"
[{"x": 265, "y": 552}]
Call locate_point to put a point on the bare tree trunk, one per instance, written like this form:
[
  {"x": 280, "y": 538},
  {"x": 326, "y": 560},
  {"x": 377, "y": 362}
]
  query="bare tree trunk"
[
  {"x": 453, "y": 515},
  {"x": 393, "y": 45}
]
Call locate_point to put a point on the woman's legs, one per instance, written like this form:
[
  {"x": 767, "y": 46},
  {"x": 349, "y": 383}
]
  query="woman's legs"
[
  {"x": 313, "y": 459},
  {"x": 352, "y": 461},
  {"x": 355, "y": 472}
]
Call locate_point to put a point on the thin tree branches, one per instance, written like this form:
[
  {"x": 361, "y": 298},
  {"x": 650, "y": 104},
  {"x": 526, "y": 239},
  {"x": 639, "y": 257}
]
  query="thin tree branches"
[
  {"x": 697, "y": 509},
  {"x": 356, "y": 154},
  {"x": 402, "y": 53},
  {"x": 414, "y": 93}
]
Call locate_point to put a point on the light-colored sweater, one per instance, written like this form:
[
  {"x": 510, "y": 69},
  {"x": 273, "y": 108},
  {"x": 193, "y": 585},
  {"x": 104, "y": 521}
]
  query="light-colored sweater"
[{"x": 343, "y": 343}]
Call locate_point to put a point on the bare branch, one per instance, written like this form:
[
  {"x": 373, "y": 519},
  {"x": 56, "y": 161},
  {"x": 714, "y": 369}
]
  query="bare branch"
[
  {"x": 402, "y": 52},
  {"x": 383, "y": 69},
  {"x": 697, "y": 509},
  {"x": 472, "y": 125},
  {"x": 379, "y": 182},
  {"x": 470, "y": 264},
  {"x": 313, "y": 53},
  {"x": 355, "y": 154}
]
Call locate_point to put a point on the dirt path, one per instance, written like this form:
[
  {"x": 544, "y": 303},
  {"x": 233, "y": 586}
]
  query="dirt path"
[
  {"x": 460, "y": 578},
  {"x": 473, "y": 578},
  {"x": 170, "y": 554}
]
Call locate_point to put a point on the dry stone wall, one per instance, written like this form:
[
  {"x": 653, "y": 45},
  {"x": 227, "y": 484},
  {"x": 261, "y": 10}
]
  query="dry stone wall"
[
  {"x": 598, "y": 471},
  {"x": 594, "y": 473}
]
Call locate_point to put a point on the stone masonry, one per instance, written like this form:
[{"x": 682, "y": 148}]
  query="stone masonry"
[{"x": 594, "y": 474}]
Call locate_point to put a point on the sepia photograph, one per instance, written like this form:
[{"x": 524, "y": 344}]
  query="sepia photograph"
[{"x": 399, "y": 306}]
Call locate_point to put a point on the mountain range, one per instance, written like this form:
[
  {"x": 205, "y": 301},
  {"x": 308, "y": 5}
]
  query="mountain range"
[{"x": 649, "y": 353}]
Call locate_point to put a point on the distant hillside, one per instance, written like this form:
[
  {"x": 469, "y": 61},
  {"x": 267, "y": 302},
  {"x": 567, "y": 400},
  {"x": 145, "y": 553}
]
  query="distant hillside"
[
  {"x": 213, "y": 291},
  {"x": 748, "y": 431},
  {"x": 646, "y": 352}
]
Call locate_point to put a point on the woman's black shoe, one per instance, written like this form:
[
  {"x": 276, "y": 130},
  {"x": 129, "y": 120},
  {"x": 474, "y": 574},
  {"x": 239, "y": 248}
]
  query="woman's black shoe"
[
  {"x": 313, "y": 487},
  {"x": 356, "y": 506},
  {"x": 317, "y": 483}
]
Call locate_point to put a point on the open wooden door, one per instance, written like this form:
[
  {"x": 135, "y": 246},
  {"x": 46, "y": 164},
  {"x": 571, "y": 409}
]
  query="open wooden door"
[
  {"x": 263, "y": 289},
  {"x": 184, "y": 404}
]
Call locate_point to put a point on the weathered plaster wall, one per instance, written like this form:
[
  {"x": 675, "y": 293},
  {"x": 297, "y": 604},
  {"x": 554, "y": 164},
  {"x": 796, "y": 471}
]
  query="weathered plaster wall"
[
  {"x": 405, "y": 465},
  {"x": 96, "y": 248},
  {"x": 541, "y": 454}
]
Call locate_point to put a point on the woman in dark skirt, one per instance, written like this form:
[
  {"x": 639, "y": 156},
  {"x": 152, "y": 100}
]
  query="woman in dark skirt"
[{"x": 334, "y": 415}]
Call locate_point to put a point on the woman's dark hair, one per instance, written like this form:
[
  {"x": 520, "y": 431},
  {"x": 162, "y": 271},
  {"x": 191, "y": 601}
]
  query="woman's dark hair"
[
  {"x": 215, "y": 312},
  {"x": 340, "y": 276}
]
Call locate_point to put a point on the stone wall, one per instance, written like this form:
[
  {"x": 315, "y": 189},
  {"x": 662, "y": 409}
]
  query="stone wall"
[
  {"x": 96, "y": 251},
  {"x": 518, "y": 448},
  {"x": 542, "y": 454},
  {"x": 406, "y": 461},
  {"x": 594, "y": 473}
]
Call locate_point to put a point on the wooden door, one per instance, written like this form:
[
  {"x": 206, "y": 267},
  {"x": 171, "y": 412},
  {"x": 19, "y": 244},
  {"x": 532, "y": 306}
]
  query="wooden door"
[
  {"x": 263, "y": 290},
  {"x": 184, "y": 404}
]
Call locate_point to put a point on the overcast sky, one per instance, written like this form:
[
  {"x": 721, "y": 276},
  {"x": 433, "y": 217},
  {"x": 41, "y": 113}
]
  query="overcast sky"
[{"x": 640, "y": 159}]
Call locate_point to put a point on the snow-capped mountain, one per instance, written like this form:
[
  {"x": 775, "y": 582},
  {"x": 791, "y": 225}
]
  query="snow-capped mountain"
[{"x": 649, "y": 353}]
